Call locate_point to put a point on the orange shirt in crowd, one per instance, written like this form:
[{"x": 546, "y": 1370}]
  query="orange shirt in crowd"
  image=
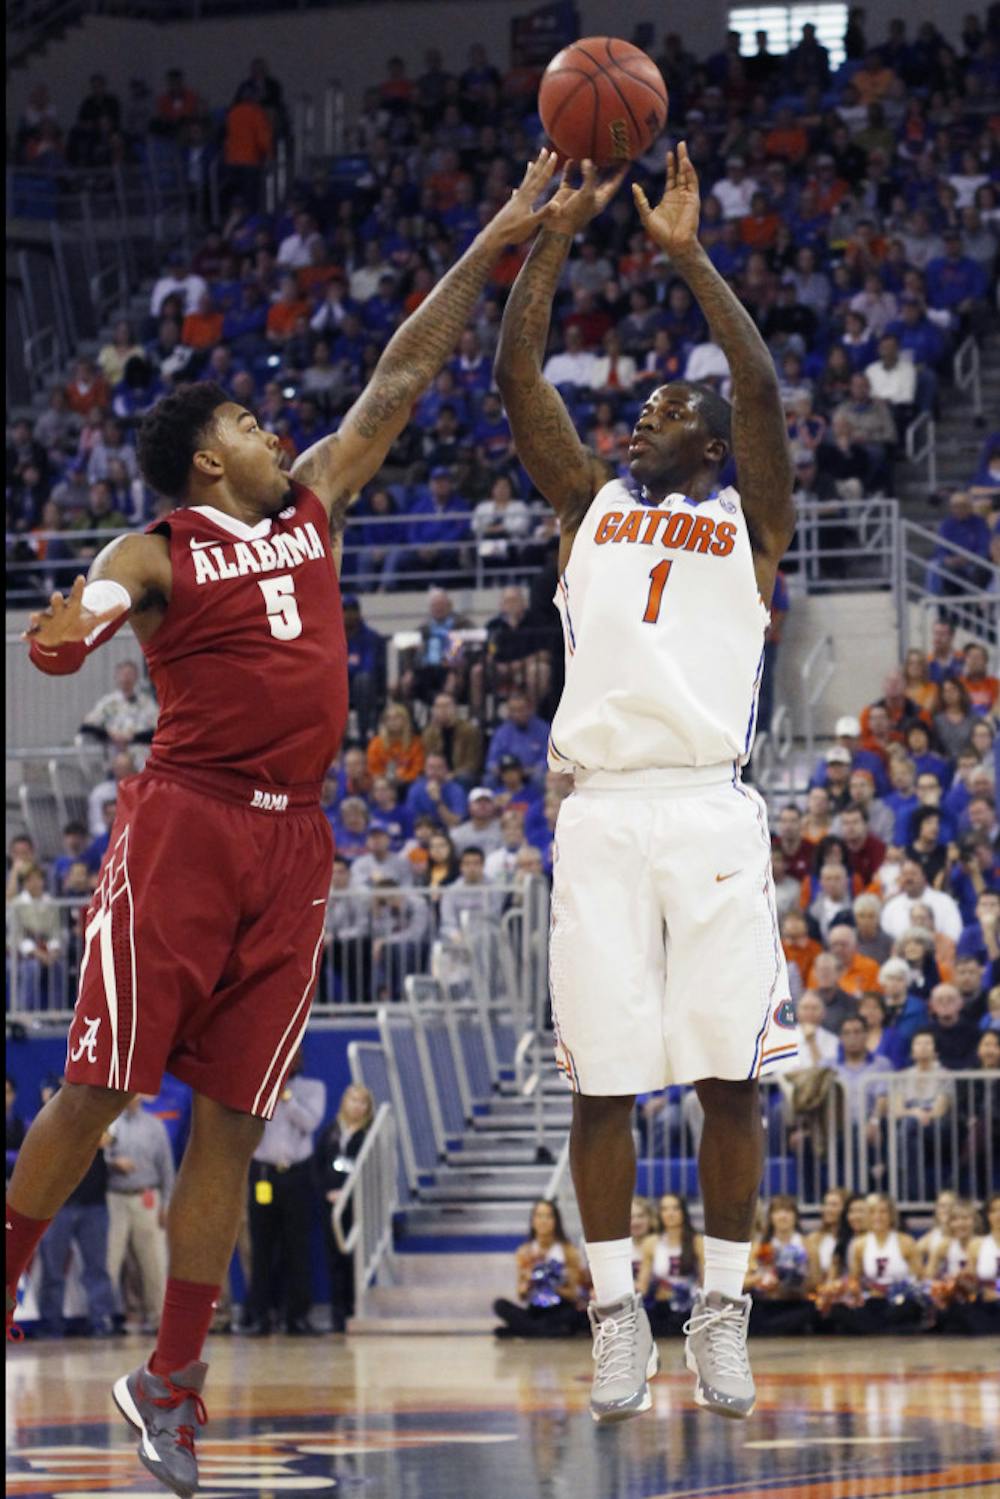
[
  {"x": 201, "y": 330},
  {"x": 406, "y": 760},
  {"x": 860, "y": 975},
  {"x": 249, "y": 138},
  {"x": 759, "y": 230},
  {"x": 81, "y": 400},
  {"x": 983, "y": 692},
  {"x": 313, "y": 278},
  {"x": 791, "y": 144},
  {"x": 282, "y": 317},
  {"x": 803, "y": 954}
]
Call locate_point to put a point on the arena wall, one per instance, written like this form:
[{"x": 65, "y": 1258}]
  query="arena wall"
[{"x": 305, "y": 51}]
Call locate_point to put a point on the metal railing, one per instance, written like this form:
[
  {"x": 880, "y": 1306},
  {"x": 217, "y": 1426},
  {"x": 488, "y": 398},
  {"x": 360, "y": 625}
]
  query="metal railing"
[
  {"x": 375, "y": 940},
  {"x": 925, "y": 581},
  {"x": 920, "y": 444},
  {"x": 966, "y": 373},
  {"x": 888, "y": 1150},
  {"x": 842, "y": 545},
  {"x": 362, "y": 1215},
  {"x": 815, "y": 675}
]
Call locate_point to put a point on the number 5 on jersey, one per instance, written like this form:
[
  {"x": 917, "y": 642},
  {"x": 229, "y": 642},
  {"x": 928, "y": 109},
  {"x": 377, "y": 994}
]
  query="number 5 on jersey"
[
  {"x": 282, "y": 607},
  {"x": 658, "y": 576}
]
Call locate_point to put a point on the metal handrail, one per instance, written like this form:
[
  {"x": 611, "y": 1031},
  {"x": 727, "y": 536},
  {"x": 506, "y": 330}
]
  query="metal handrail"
[
  {"x": 921, "y": 445},
  {"x": 966, "y": 373},
  {"x": 370, "y": 1195},
  {"x": 815, "y": 674}
]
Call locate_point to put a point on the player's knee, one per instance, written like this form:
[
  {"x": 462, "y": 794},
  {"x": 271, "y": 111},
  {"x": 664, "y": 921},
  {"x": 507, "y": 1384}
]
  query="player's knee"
[
  {"x": 598, "y": 1113},
  {"x": 739, "y": 1101},
  {"x": 90, "y": 1107}
]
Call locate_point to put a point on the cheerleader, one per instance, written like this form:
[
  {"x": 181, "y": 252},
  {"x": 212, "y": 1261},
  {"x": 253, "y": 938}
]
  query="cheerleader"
[
  {"x": 837, "y": 1289},
  {"x": 951, "y": 1271},
  {"x": 938, "y": 1234},
  {"x": 548, "y": 1282},
  {"x": 671, "y": 1268},
  {"x": 886, "y": 1264},
  {"x": 977, "y": 1311},
  {"x": 822, "y": 1242},
  {"x": 780, "y": 1274}
]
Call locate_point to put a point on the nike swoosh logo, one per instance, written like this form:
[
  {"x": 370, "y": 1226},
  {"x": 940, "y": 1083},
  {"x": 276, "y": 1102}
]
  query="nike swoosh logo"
[
  {"x": 199, "y": 546},
  {"x": 720, "y": 877}
]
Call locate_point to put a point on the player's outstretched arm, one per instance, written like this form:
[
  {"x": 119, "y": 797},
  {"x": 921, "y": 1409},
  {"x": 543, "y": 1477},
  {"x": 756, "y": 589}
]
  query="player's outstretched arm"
[
  {"x": 567, "y": 473},
  {"x": 337, "y": 467},
  {"x": 760, "y": 442},
  {"x": 128, "y": 579}
]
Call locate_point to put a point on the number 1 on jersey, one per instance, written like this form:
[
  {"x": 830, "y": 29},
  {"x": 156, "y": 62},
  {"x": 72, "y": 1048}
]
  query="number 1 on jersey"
[{"x": 658, "y": 576}]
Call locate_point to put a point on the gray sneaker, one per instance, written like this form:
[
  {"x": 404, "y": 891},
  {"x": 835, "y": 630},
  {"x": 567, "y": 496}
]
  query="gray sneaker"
[
  {"x": 165, "y": 1411},
  {"x": 626, "y": 1359},
  {"x": 716, "y": 1351}
]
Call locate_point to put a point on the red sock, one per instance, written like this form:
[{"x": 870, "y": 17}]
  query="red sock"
[
  {"x": 22, "y": 1239},
  {"x": 187, "y": 1316}
]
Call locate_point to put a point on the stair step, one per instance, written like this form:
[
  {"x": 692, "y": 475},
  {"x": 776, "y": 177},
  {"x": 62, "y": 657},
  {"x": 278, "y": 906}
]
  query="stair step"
[
  {"x": 445, "y": 1219},
  {"x": 461, "y": 1191},
  {"x": 437, "y": 1270},
  {"x": 519, "y": 1155}
]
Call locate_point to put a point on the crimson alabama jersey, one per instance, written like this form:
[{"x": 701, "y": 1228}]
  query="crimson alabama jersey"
[{"x": 250, "y": 662}]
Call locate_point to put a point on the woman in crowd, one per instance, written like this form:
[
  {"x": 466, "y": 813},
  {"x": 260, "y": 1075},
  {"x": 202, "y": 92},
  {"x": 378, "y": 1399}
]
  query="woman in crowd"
[
  {"x": 336, "y": 1152},
  {"x": 671, "y": 1267},
  {"x": 397, "y": 750},
  {"x": 881, "y": 1040},
  {"x": 918, "y": 686},
  {"x": 954, "y": 1257},
  {"x": 953, "y": 721},
  {"x": 821, "y": 1244},
  {"x": 549, "y": 1272},
  {"x": 886, "y": 1265},
  {"x": 930, "y": 1244},
  {"x": 780, "y": 1275},
  {"x": 442, "y": 863},
  {"x": 836, "y": 1289},
  {"x": 389, "y": 812}
]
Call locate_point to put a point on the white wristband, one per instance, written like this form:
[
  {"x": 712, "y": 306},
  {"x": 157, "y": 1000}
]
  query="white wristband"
[{"x": 101, "y": 596}]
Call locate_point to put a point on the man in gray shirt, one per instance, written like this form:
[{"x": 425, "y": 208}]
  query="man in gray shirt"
[
  {"x": 482, "y": 827},
  {"x": 281, "y": 1197},
  {"x": 140, "y": 1181}
]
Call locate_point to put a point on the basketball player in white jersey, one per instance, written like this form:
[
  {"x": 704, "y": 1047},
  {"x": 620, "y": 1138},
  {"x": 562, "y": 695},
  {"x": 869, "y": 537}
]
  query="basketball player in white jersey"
[{"x": 665, "y": 962}]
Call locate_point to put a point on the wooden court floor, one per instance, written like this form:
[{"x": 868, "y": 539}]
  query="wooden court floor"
[{"x": 409, "y": 1417}]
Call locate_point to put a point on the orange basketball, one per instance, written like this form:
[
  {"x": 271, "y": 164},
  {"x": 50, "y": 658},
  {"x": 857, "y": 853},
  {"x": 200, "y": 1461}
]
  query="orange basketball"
[{"x": 604, "y": 99}]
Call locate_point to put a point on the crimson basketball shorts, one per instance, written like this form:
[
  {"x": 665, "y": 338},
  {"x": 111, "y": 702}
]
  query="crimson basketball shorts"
[
  {"x": 665, "y": 964},
  {"x": 201, "y": 944}
]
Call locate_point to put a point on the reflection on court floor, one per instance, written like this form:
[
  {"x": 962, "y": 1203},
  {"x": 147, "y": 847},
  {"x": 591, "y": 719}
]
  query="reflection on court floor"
[{"x": 457, "y": 1418}]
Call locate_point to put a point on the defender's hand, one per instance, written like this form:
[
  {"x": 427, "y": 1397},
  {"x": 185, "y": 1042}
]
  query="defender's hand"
[
  {"x": 673, "y": 224},
  {"x": 572, "y": 208},
  {"x": 517, "y": 220},
  {"x": 66, "y": 619}
]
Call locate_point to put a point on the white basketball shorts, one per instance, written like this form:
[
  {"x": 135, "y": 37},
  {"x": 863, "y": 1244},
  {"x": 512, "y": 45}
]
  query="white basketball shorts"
[{"x": 665, "y": 964}]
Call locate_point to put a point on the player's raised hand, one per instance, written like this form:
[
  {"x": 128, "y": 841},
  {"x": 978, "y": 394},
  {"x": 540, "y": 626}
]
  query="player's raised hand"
[
  {"x": 67, "y": 619},
  {"x": 673, "y": 223},
  {"x": 572, "y": 208},
  {"x": 518, "y": 219}
]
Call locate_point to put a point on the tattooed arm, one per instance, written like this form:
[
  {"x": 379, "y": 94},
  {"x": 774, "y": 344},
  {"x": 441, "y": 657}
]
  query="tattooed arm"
[
  {"x": 336, "y": 467},
  {"x": 567, "y": 473},
  {"x": 760, "y": 441}
]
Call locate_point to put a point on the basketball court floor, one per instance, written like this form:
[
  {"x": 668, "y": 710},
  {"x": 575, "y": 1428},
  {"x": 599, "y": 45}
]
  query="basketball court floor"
[{"x": 411, "y": 1417}]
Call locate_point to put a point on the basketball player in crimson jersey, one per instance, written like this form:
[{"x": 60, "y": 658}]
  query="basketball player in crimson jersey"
[
  {"x": 665, "y": 962},
  {"x": 204, "y": 934}
]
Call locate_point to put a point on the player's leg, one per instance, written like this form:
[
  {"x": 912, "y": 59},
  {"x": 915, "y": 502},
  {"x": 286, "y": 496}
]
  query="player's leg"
[
  {"x": 725, "y": 1016},
  {"x": 162, "y": 1399},
  {"x": 57, "y": 1152},
  {"x": 606, "y": 960}
]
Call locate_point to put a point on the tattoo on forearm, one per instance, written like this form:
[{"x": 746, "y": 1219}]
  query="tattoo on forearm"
[{"x": 546, "y": 440}]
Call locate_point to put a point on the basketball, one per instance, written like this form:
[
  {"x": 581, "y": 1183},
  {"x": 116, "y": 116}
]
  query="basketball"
[{"x": 604, "y": 99}]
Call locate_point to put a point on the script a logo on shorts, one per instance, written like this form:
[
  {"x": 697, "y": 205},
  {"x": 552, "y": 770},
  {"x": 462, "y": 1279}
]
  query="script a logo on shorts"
[
  {"x": 270, "y": 801},
  {"x": 728, "y": 505},
  {"x": 784, "y": 1015},
  {"x": 88, "y": 1041}
]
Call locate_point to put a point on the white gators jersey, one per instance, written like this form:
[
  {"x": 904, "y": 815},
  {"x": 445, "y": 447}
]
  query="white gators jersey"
[{"x": 664, "y": 634}]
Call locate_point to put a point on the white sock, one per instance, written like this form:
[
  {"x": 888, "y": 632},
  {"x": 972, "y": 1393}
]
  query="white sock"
[
  {"x": 610, "y": 1262},
  {"x": 726, "y": 1265}
]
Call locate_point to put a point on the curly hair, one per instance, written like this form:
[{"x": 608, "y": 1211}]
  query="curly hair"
[{"x": 171, "y": 433}]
